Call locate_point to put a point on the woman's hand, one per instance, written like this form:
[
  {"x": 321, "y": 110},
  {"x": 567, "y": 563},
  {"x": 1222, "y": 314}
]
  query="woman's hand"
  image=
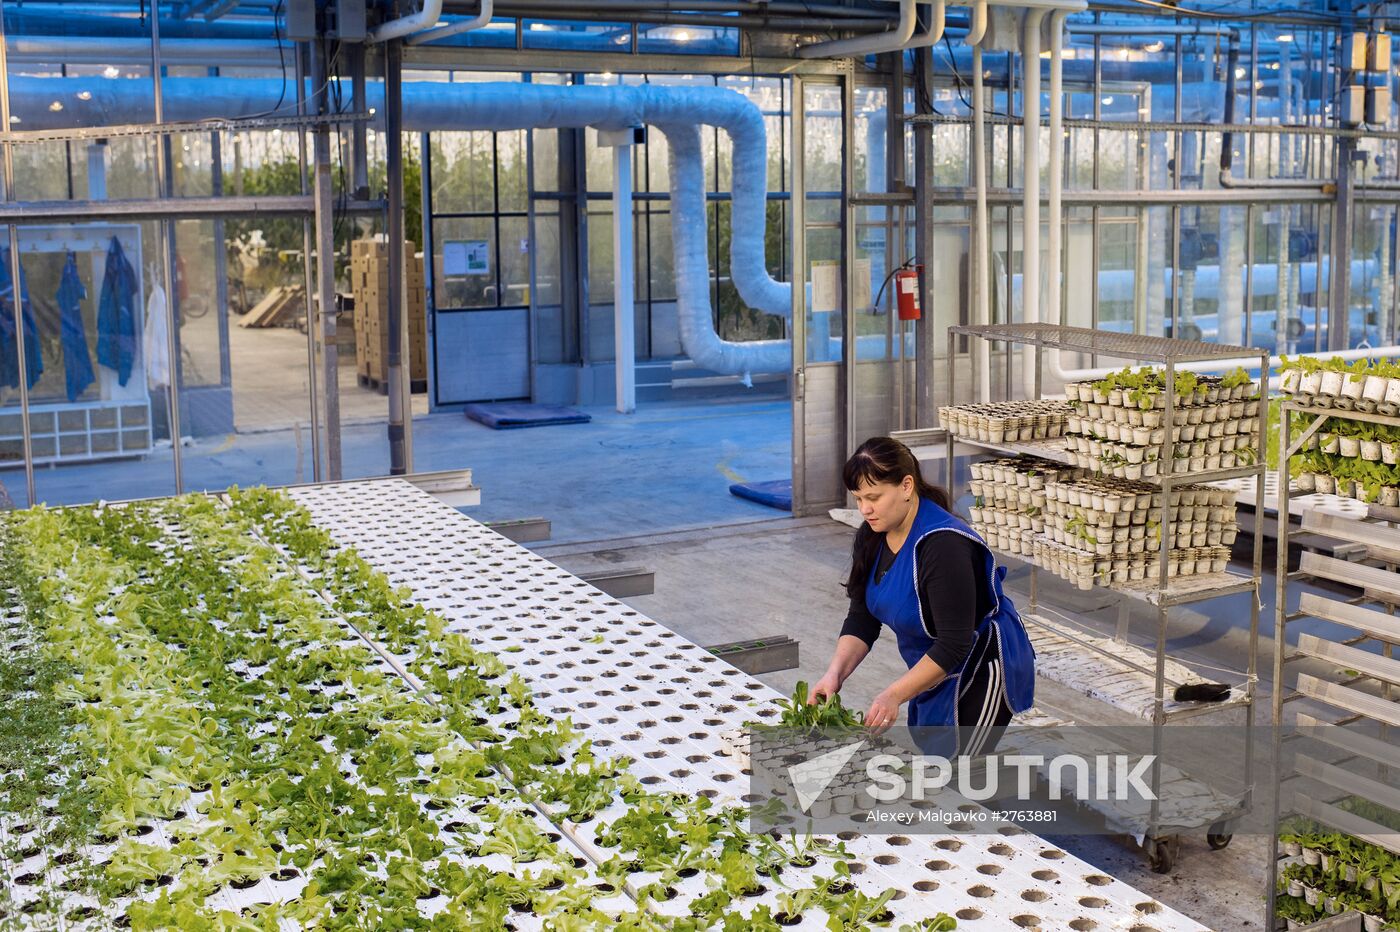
[
  {"x": 824, "y": 689},
  {"x": 883, "y": 712}
]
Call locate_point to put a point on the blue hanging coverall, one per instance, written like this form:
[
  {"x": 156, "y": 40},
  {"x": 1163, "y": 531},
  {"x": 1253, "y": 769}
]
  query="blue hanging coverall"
[
  {"x": 77, "y": 363},
  {"x": 118, "y": 324},
  {"x": 9, "y": 346},
  {"x": 895, "y": 600}
]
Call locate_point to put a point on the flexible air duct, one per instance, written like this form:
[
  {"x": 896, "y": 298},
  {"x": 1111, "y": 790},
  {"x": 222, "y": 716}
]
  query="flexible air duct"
[
  {"x": 432, "y": 106},
  {"x": 690, "y": 243}
]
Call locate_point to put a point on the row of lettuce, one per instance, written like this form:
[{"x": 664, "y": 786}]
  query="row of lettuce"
[
  {"x": 1332, "y": 872},
  {"x": 194, "y": 738},
  {"x": 1349, "y": 456}
]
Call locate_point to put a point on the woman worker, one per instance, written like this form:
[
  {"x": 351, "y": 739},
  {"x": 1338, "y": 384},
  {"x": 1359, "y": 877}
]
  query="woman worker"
[{"x": 920, "y": 570}]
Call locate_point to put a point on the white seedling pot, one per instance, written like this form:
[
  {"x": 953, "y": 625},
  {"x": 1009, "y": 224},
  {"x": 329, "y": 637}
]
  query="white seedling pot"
[
  {"x": 1372, "y": 393},
  {"x": 1331, "y": 386},
  {"x": 1308, "y": 387},
  {"x": 1351, "y": 390},
  {"x": 1391, "y": 402}
]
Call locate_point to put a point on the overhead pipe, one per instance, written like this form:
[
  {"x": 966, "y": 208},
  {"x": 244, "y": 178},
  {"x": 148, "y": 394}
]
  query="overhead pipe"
[
  {"x": 1055, "y": 169},
  {"x": 933, "y": 33},
  {"x": 424, "y": 19},
  {"x": 1030, "y": 186},
  {"x": 1227, "y": 178},
  {"x": 437, "y": 106},
  {"x": 978, "y": 29},
  {"x": 981, "y": 282},
  {"x": 891, "y": 41},
  {"x": 482, "y": 18},
  {"x": 1230, "y": 312}
]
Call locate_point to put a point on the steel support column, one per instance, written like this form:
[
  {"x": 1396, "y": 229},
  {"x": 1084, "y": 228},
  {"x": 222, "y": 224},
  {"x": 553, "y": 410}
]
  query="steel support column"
[
  {"x": 165, "y": 186},
  {"x": 1339, "y": 276},
  {"x": 325, "y": 266},
  {"x": 624, "y": 267},
  {"x": 400, "y": 413},
  {"x": 924, "y": 328},
  {"x": 16, "y": 292}
]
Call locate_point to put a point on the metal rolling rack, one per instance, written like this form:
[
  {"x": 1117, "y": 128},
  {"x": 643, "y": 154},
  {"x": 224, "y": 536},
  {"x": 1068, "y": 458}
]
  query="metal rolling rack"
[
  {"x": 1164, "y": 593},
  {"x": 1378, "y": 585},
  {"x": 636, "y": 687}
]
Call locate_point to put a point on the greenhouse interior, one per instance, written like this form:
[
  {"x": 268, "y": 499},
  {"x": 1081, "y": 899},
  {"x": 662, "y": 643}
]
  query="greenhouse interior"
[{"x": 457, "y": 458}]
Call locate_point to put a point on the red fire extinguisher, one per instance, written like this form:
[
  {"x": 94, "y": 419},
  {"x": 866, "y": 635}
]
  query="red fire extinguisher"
[{"x": 906, "y": 292}]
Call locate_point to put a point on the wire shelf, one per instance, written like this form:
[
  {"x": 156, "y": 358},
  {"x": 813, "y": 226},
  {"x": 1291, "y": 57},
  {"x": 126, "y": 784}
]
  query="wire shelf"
[{"x": 1108, "y": 343}]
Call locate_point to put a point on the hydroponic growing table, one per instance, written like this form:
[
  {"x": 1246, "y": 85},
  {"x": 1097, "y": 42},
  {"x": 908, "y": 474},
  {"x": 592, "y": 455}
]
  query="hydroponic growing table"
[
  {"x": 632, "y": 687},
  {"x": 632, "y": 683}
]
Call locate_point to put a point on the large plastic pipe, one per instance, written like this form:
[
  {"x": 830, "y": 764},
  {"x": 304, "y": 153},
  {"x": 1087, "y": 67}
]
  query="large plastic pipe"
[{"x": 433, "y": 106}]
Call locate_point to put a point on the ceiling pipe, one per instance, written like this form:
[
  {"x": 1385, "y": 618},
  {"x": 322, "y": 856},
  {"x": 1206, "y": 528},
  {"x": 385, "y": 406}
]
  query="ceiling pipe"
[
  {"x": 609, "y": 9},
  {"x": 1147, "y": 34},
  {"x": 482, "y": 18},
  {"x": 978, "y": 29},
  {"x": 891, "y": 41},
  {"x": 425, "y": 18},
  {"x": 752, "y": 23},
  {"x": 933, "y": 34}
]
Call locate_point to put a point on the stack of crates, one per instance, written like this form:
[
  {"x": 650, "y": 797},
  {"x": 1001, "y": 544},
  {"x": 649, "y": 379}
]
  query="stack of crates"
[{"x": 369, "y": 280}]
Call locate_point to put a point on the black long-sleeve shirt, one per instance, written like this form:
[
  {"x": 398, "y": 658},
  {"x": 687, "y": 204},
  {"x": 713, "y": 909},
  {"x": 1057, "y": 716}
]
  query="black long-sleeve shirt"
[{"x": 950, "y": 571}]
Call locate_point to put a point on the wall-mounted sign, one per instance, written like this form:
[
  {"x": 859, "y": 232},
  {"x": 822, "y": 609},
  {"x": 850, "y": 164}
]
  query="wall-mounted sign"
[
  {"x": 826, "y": 286},
  {"x": 466, "y": 257}
]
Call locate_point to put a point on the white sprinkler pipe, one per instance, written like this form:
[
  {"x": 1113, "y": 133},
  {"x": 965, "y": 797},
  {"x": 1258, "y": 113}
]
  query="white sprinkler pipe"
[
  {"x": 425, "y": 18},
  {"x": 891, "y": 40},
  {"x": 482, "y": 18},
  {"x": 1055, "y": 167},
  {"x": 978, "y": 27},
  {"x": 982, "y": 266},
  {"x": 931, "y": 36},
  {"x": 1030, "y": 174}
]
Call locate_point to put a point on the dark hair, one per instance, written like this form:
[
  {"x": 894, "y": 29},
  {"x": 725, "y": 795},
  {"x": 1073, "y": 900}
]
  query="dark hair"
[{"x": 882, "y": 459}]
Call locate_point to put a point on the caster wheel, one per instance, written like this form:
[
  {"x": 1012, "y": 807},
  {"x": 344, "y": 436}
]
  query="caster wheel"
[
  {"x": 1162, "y": 852},
  {"x": 1218, "y": 840}
]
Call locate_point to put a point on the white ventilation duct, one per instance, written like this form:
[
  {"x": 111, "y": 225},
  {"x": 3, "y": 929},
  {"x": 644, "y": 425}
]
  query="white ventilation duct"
[
  {"x": 433, "y": 106},
  {"x": 690, "y": 244}
]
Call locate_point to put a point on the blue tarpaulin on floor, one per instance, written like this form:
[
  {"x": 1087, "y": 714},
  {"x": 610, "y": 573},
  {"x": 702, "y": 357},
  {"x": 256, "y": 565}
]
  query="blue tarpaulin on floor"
[
  {"x": 511, "y": 415},
  {"x": 774, "y": 494}
]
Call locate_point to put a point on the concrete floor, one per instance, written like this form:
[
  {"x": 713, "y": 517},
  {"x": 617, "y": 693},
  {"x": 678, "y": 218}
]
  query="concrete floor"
[
  {"x": 668, "y": 466},
  {"x": 784, "y": 577}
]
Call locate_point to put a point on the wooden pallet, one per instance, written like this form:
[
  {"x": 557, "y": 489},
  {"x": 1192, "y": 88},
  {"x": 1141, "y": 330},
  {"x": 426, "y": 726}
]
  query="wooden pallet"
[{"x": 277, "y": 304}]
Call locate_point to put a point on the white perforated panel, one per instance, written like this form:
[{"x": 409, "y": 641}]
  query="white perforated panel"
[{"x": 632, "y": 684}]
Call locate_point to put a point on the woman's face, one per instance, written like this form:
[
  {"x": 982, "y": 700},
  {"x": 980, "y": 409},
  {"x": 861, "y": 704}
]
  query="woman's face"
[{"x": 884, "y": 504}]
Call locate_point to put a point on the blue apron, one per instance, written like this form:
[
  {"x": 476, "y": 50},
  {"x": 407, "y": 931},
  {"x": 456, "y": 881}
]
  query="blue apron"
[{"x": 894, "y": 599}]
